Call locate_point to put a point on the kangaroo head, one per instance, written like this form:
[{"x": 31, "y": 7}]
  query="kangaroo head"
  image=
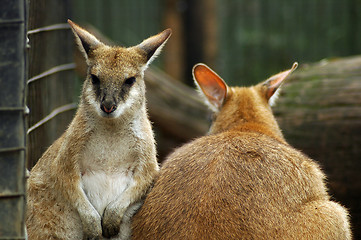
[
  {"x": 239, "y": 107},
  {"x": 114, "y": 85}
]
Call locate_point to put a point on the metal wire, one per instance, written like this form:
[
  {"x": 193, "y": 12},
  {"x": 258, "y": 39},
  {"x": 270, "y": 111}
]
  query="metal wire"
[
  {"x": 55, "y": 112},
  {"x": 11, "y": 21},
  {"x": 13, "y": 238},
  {"x": 58, "y": 26},
  {"x": 12, "y": 195},
  {"x": 13, "y": 149},
  {"x": 11, "y": 109},
  {"x": 51, "y": 71}
]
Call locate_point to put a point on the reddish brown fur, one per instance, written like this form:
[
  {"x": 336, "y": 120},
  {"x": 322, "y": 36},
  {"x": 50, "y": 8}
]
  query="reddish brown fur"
[{"x": 243, "y": 181}]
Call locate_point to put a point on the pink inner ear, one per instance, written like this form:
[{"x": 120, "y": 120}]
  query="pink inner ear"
[
  {"x": 87, "y": 40},
  {"x": 274, "y": 82},
  {"x": 213, "y": 86},
  {"x": 151, "y": 44}
]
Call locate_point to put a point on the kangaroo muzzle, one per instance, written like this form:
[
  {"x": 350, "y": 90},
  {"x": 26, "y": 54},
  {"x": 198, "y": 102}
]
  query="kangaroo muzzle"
[{"x": 108, "y": 106}]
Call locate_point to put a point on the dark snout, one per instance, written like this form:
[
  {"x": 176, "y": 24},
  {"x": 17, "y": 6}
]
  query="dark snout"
[{"x": 108, "y": 106}]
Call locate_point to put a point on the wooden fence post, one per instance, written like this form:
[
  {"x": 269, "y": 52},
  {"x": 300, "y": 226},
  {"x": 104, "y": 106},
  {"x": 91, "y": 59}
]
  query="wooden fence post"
[
  {"x": 12, "y": 118},
  {"x": 52, "y": 83}
]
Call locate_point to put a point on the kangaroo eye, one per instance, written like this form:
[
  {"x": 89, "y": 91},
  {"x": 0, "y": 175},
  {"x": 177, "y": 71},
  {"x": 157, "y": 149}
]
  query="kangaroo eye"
[
  {"x": 95, "y": 79},
  {"x": 130, "y": 81}
]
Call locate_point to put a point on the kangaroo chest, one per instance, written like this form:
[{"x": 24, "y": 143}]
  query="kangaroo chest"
[{"x": 107, "y": 167}]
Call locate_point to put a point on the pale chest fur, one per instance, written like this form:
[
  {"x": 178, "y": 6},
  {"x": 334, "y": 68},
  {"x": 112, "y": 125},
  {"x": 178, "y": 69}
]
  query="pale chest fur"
[{"x": 109, "y": 159}]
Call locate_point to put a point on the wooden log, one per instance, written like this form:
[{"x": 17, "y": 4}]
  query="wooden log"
[{"x": 319, "y": 112}]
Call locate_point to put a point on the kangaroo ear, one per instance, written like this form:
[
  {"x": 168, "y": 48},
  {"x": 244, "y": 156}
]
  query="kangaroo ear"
[
  {"x": 152, "y": 46},
  {"x": 271, "y": 86},
  {"x": 211, "y": 85},
  {"x": 85, "y": 40}
]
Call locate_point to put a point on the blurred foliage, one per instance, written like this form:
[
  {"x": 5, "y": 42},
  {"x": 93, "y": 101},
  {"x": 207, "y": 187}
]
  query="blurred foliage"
[
  {"x": 125, "y": 22},
  {"x": 255, "y": 38},
  {"x": 259, "y": 38}
]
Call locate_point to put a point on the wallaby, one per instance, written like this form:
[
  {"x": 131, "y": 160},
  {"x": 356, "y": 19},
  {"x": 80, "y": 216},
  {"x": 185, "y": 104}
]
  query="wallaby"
[
  {"x": 93, "y": 178},
  {"x": 242, "y": 181}
]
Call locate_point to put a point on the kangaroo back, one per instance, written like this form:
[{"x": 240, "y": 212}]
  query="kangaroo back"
[{"x": 242, "y": 181}]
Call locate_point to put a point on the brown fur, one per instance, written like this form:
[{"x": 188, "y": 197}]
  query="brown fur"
[
  {"x": 92, "y": 179},
  {"x": 242, "y": 181}
]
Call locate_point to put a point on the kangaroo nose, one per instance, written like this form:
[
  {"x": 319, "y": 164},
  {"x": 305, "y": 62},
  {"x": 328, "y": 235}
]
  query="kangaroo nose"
[{"x": 108, "y": 107}]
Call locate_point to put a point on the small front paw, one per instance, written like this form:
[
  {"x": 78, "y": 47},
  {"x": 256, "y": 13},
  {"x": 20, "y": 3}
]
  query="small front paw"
[
  {"x": 92, "y": 228},
  {"x": 92, "y": 237},
  {"x": 111, "y": 220}
]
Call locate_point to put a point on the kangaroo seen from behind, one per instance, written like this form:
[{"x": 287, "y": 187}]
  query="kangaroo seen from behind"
[
  {"x": 243, "y": 180},
  {"x": 93, "y": 178}
]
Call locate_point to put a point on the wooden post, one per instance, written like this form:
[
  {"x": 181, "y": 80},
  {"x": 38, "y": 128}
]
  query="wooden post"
[
  {"x": 175, "y": 51},
  {"x": 51, "y": 49},
  {"x": 194, "y": 39},
  {"x": 12, "y": 118}
]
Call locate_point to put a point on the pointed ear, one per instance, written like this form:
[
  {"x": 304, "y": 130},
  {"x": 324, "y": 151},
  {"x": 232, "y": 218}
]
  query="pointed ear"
[
  {"x": 211, "y": 85},
  {"x": 271, "y": 85},
  {"x": 85, "y": 40},
  {"x": 152, "y": 46}
]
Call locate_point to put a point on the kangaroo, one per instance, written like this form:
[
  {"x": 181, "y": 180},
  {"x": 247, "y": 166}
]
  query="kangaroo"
[
  {"x": 92, "y": 179},
  {"x": 243, "y": 180}
]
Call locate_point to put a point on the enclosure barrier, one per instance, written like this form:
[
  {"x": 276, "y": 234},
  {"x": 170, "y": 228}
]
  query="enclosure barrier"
[{"x": 12, "y": 118}]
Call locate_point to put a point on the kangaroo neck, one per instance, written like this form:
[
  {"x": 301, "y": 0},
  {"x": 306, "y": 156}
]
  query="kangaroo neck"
[{"x": 272, "y": 131}]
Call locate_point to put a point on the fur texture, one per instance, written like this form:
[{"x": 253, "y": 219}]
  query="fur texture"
[
  {"x": 89, "y": 183},
  {"x": 243, "y": 180}
]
